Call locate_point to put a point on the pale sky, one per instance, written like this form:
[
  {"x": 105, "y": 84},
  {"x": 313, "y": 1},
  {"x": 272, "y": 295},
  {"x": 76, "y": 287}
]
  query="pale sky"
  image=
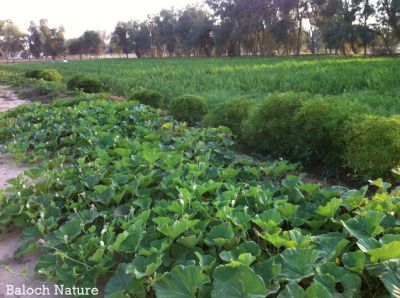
[{"x": 80, "y": 15}]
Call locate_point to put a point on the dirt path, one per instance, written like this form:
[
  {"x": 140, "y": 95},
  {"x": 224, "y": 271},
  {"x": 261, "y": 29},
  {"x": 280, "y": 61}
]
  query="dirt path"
[{"x": 15, "y": 272}]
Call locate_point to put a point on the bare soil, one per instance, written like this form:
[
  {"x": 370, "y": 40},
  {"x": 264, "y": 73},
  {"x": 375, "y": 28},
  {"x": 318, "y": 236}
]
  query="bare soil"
[{"x": 15, "y": 271}]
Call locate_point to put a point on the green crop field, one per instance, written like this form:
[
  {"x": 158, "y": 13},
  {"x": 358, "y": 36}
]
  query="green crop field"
[
  {"x": 122, "y": 196},
  {"x": 373, "y": 81}
]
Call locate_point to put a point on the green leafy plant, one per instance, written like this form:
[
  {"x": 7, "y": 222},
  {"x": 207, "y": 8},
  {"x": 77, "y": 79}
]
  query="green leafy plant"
[
  {"x": 269, "y": 126},
  {"x": 86, "y": 83},
  {"x": 51, "y": 75},
  {"x": 148, "y": 97},
  {"x": 230, "y": 114},
  {"x": 188, "y": 108},
  {"x": 373, "y": 146}
]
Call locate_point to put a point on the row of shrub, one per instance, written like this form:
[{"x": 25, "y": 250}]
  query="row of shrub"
[
  {"x": 79, "y": 82},
  {"x": 337, "y": 135},
  {"x": 186, "y": 108}
]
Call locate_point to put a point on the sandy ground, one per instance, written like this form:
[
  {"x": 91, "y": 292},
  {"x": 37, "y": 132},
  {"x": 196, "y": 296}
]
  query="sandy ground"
[{"x": 15, "y": 271}]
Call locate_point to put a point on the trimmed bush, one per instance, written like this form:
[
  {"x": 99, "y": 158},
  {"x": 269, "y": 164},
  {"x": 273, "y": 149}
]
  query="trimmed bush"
[
  {"x": 188, "y": 108},
  {"x": 85, "y": 82},
  {"x": 148, "y": 97},
  {"x": 373, "y": 146},
  {"x": 318, "y": 131},
  {"x": 50, "y": 75},
  {"x": 269, "y": 126},
  {"x": 33, "y": 74},
  {"x": 230, "y": 114}
]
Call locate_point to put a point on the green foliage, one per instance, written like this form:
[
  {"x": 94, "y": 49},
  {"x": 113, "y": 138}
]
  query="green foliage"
[
  {"x": 120, "y": 193},
  {"x": 170, "y": 209},
  {"x": 188, "y": 108},
  {"x": 33, "y": 74},
  {"x": 269, "y": 126},
  {"x": 230, "y": 114},
  {"x": 86, "y": 83},
  {"x": 373, "y": 146},
  {"x": 39, "y": 90},
  {"x": 373, "y": 81},
  {"x": 51, "y": 75},
  {"x": 237, "y": 280},
  {"x": 318, "y": 131},
  {"x": 148, "y": 97}
]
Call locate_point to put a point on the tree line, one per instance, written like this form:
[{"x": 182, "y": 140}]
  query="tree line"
[{"x": 227, "y": 28}]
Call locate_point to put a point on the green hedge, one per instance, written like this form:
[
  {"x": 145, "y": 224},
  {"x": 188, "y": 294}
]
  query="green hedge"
[
  {"x": 86, "y": 83},
  {"x": 332, "y": 135},
  {"x": 268, "y": 128},
  {"x": 148, "y": 97},
  {"x": 230, "y": 114},
  {"x": 318, "y": 131},
  {"x": 50, "y": 75},
  {"x": 373, "y": 146},
  {"x": 188, "y": 108}
]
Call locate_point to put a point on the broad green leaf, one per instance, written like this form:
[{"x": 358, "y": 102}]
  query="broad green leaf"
[
  {"x": 181, "y": 282},
  {"x": 309, "y": 187},
  {"x": 189, "y": 241},
  {"x": 128, "y": 241},
  {"x": 366, "y": 226},
  {"x": 388, "y": 238},
  {"x": 354, "y": 261},
  {"x": 122, "y": 283},
  {"x": 236, "y": 280},
  {"x": 302, "y": 241},
  {"x": 71, "y": 229},
  {"x": 46, "y": 263},
  {"x": 367, "y": 244},
  {"x": 248, "y": 247},
  {"x": 268, "y": 271},
  {"x": 297, "y": 263},
  {"x": 177, "y": 228},
  {"x": 330, "y": 245},
  {"x": 330, "y": 209},
  {"x": 246, "y": 259},
  {"x": 389, "y": 273},
  {"x": 206, "y": 262},
  {"x": 330, "y": 275},
  {"x": 88, "y": 216},
  {"x": 287, "y": 209},
  {"x": 353, "y": 199},
  {"x": 144, "y": 266},
  {"x": 268, "y": 220},
  {"x": 220, "y": 235},
  {"x": 293, "y": 290},
  {"x": 386, "y": 252},
  {"x": 279, "y": 240}
]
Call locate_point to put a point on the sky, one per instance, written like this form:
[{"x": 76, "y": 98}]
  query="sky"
[{"x": 78, "y": 16}]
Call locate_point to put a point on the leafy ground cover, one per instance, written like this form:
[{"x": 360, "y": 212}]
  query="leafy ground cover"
[
  {"x": 373, "y": 81},
  {"x": 129, "y": 198}
]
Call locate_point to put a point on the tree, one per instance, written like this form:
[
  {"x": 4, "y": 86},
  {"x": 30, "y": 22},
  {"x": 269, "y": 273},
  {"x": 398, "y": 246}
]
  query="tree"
[
  {"x": 35, "y": 41},
  {"x": 389, "y": 19},
  {"x": 142, "y": 39},
  {"x": 166, "y": 24},
  {"x": 122, "y": 38},
  {"x": 364, "y": 31},
  {"x": 193, "y": 29},
  {"x": 11, "y": 40},
  {"x": 75, "y": 47},
  {"x": 92, "y": 43},
  {"x": 53, "y": 40}
]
